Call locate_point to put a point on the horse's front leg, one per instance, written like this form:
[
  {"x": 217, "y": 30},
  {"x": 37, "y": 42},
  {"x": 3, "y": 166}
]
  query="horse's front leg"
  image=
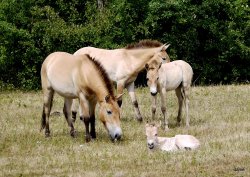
[
  {"x": 163, "y": 108},
  {"x": 92, "y": 120},
  {"x": 67, "y": 114},
  {"x": 74, "y": 109},
  {"x": 84, "y": 115},
  {"x": 153, "y": 106},
  {"x": 120, "y": 88},
  {"x": 131, "y": 91}
]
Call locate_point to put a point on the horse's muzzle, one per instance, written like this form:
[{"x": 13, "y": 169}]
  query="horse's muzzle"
[
  {"x": 151, "y": 145},
  {"x": 153, "y": 93}
]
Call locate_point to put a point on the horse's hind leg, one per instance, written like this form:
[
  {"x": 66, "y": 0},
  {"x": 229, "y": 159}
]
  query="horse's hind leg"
[
  {"x": 74, "y": 109},
  {"x": 47, "y": 104},
  {"x": 186, "y": 101},
  {"x": 179, "y": 95},
  {"x": 67, "y": 114}
]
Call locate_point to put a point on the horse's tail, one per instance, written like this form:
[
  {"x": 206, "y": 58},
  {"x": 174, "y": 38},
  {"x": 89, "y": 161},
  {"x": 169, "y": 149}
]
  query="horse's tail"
[{"x": 43, "y": 120}]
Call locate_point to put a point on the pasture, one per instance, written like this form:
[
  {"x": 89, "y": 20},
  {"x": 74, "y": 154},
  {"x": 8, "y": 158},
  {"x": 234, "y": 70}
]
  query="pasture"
[{"x": 219, "y": 118}]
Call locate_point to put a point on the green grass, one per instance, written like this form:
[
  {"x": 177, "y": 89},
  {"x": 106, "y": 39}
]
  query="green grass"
[{"x": 219, "y": 118}]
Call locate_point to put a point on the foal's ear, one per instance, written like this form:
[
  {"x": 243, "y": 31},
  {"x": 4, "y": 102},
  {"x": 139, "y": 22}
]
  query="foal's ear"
[
  {"x": 119, "y": 96},
  {"x": 146, "y": 66},
  {"x": 107, "y": 98}
]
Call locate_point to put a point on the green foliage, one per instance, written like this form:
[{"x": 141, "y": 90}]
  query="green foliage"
[{"x": 212, "y": 35}]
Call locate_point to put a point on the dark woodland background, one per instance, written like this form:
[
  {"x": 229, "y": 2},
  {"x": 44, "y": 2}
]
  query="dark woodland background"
[{"x": 212, "y": 35}]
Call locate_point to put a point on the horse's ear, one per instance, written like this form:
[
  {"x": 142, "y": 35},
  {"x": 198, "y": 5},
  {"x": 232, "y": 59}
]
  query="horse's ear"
[
  {"x": 160, "y": 65},
  {"x": 164, "y": 47},
  {"x": 146, "y": 66},
  {"x": 119, "y": 96},
  {"x": 107, "y": 98}
]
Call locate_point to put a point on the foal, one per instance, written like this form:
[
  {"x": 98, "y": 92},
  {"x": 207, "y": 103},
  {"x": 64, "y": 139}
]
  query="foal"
[
  {"x": 178, "y": 142},
  {"x": 84, "y": 78},
  {"x": 176, "y": 75}
]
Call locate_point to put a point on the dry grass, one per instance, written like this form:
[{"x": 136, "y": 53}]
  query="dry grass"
[{"x": 219, "y": 118}]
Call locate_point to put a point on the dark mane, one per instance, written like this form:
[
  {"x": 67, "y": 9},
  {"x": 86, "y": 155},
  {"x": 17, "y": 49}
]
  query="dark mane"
[
  {"x": 144, "y": 44},
  {"x": 104, "y": 75}
]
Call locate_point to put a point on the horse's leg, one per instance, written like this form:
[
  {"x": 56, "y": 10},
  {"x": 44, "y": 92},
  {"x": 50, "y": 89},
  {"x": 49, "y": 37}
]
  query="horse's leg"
[
  {"x": 47, "y": 105},
  {"x": 153, "y": 107},
  {"x": 186, "y": 100},
  {"x": 180, "y": 103},
  {"x": 84, "y": 115},
  {"x": 74, "y": 109},
  {"x": 92, "y": 120},
  {"x": 67, "y": 114},
  {"x": 120, "y": 88},
  {"x": 163, "y": 108},
  {"x": 131, "y": 91}
]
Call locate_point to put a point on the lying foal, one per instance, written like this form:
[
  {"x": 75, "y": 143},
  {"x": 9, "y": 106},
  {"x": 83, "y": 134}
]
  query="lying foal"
[{"x": 178, "y": 142}]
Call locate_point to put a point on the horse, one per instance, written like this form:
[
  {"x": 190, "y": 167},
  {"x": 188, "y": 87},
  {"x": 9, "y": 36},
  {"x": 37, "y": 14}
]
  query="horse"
[
  {"x": 178, "y": 142},
  {"x": 84, "y": 78},
  {"x": 176, "y": 75},
  {"x": 124, "y": 64}
]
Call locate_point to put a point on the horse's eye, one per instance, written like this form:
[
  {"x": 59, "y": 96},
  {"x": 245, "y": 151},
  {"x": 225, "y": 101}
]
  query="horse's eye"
[
  {"x": 164, "y": 59},
  {"x": 156, "y": 134},
  {"x": 157, "y": 78},
  {"x": 109, "y": 112}
]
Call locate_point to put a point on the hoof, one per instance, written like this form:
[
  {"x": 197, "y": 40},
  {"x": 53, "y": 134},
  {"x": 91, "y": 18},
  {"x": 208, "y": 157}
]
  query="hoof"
[
  {"x": 87, "y": 138},
  {"x": 140, "y": 119},
  {"x": 93, "y": 135},
  {"x": 73, "y": 133}
]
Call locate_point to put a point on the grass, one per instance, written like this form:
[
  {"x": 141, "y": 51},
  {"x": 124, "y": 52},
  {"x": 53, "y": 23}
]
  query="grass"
[{"x": 220, "y": 119}]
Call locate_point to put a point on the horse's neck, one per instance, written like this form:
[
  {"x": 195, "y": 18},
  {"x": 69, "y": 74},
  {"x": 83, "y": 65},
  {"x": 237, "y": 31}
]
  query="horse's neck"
[
  {"x": 139, "y": 57},
  {"x": 167, "y": 144}
]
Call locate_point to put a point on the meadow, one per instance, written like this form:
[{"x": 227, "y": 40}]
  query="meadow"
[{"x": 219, "y": 118}]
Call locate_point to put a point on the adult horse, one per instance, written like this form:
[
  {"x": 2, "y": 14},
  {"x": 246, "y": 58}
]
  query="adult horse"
[
  {"x": 176, "y": 75},
  {"x": 84, "y": 78},
  {"x": 123, "y": 65}
]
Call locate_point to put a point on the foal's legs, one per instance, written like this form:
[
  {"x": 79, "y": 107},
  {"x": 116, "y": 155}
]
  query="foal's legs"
[
  {"x": 67, "y": 114},
  {"x": 47, "y": 104},
  {"x": 153, "y": 106},
  {"x": 163, "y": 108},
  {"x": 180, "y": 102},
  {"x": 131, "y": 91},
  {"x": 84, "y": 115}
]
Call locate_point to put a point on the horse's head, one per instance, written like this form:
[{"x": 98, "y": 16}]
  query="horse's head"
[
  {"x": 153, "y": 76},
  {"x": 109, "y": 113},
  {"x": 151, "y": 133},
  {"x": 161, "y": 54}
]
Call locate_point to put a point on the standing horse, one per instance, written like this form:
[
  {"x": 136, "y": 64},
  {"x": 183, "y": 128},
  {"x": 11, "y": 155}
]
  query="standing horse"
[
  {"x": 123, "y": 65},
  {"x": 178, "y": 142},
  {"x": 84, "y": 78},
  {"x": 176, "y": 75}
]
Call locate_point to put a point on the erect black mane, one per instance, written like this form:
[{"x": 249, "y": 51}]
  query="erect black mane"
[
  {"x": 104, "y": 75},
  {"x": 144, "y": 44}
]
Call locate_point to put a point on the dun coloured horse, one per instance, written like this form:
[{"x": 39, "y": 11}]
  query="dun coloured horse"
[
  {"x": 123, "y": 65},
  {"x": 178, "y": 142},
  {"x": 176, "y": 75},
  {"x": 84, "y": 78}
]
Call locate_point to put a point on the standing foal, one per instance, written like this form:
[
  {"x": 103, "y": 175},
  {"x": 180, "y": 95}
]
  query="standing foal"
[{"x": 176, "y": 75}]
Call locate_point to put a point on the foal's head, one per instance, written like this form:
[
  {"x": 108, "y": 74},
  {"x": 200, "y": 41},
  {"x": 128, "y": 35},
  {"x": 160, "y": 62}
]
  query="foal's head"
[
  {"x": 109, "y": 113},
  {"x": 153, "y": 76},
  {"x": 151, "y": 133}
]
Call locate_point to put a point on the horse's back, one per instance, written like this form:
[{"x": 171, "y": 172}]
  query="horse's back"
[
  {"x": 187, "y": 141},
  {"x": 60, "y": 69},
  {"x": 170, "y": 75}
]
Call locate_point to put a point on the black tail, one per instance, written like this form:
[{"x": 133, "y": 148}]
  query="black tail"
[{"x": 43, "y": 120}]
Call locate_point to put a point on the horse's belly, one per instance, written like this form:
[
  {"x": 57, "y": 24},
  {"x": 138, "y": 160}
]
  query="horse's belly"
[{"x": 64, "y": 89}]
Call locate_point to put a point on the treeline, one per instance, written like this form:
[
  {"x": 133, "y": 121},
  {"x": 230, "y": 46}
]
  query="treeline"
[{"x": 212, "y": 35}]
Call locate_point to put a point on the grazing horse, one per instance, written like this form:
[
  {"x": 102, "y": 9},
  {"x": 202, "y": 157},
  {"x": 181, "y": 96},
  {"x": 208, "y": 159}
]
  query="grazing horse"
[
  {"x": 123, "y": 65},
  {"x": 84, "y": 78},
  {"x": 178, "y": 142},
  {"x": 176, "y": 75}
]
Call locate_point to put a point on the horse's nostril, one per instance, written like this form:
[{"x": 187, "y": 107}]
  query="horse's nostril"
[
  {"x": 117, "y": 136},
  {"x": 153, "y": 93}
]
